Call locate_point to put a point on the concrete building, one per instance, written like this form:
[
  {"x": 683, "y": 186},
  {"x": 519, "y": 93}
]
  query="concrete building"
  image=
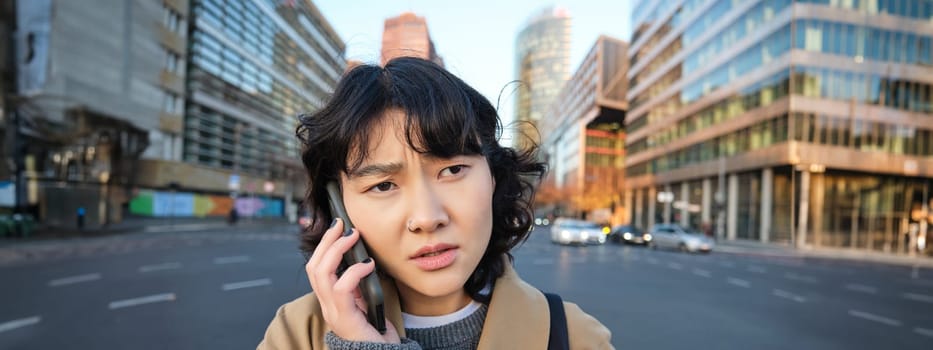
[
  {"x": 167, "y": 108},
  {"x": 253, "y": 67},
  {"x": 583, "y": 139},
  {"x": 90, "y": 80},
  {"x": 798, "y": 122},
  {"x": 408, "y": 35},
  {"x": 542, "y": 65}
]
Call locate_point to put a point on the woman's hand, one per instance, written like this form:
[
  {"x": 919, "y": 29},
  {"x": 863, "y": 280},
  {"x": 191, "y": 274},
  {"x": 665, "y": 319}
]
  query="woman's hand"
[{"x": 342, "y": 306}]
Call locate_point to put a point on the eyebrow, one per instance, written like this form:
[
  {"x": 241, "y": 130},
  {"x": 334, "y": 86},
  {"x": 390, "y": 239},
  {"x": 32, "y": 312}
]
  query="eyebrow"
[
  {"x": 376, "y": 170},
  {"x": 389, "y": 168}
]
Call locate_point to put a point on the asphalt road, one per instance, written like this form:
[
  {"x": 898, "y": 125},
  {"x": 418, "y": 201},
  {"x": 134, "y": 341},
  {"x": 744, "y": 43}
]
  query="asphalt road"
[{"x": 220, "y": 289}]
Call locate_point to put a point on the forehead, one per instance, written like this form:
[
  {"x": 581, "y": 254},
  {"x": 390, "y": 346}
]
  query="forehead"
[
  {"x": 385, "y": 135},
  {"x": 387, "y": 129}
]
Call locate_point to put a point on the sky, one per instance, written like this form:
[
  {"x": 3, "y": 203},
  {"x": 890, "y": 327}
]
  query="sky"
[{"x": 476, "y": 38}]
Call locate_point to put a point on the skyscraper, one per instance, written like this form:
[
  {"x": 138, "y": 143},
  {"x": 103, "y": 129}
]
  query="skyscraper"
[
  {"x": 407, "y": 35},
  {"x": 542, "y": 65},
  {"x": 89, "y": 101},
  {"x": 805, "y": 122},
  {"x": 253, "y": 67},
  {"x": 166, "y": 106},
  {"x": 583, "y": 139}
]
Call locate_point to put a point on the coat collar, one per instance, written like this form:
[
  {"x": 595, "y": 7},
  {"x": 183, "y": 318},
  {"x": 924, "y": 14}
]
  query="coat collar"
[{"x": 518, "y": 315}]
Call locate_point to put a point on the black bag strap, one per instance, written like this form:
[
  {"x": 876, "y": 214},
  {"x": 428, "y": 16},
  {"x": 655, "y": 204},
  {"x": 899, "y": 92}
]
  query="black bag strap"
[{"x": 557, "y": 339}]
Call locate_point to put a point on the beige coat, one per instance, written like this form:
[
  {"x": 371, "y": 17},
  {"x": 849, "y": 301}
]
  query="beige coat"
[{"x": 518, "y": 318}]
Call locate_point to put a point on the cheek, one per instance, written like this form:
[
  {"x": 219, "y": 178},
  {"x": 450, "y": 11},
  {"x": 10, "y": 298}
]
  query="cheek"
[{"x": 375, "y": 221}]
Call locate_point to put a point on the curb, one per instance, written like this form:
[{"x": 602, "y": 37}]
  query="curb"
[{"x": 863, "y": 257}]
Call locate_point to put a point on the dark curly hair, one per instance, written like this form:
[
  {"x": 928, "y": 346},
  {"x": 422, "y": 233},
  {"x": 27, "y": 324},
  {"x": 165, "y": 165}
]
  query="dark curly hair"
[{"x": 445, "y": 117}]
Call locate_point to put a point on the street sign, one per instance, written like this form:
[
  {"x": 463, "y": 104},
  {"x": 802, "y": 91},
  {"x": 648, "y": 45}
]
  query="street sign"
[{"x": 234, "y": 182}]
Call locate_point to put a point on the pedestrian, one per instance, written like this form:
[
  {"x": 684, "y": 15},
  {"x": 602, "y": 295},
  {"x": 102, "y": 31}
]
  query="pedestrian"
[
  {"x": 233, "y": 216},
  {"x": 439, "y": 203},
  {"x": 80, "y": 215}
]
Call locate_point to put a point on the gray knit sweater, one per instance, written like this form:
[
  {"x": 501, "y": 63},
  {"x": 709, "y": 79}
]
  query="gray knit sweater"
[{"x": 459, "y": 335}]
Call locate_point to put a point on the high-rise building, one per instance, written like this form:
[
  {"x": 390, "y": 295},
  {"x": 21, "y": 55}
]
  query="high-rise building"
[
  {"x": 542, "y": 65},
  {"x": 90, "y": 80},
  {"x": 253, "y": 67},
  {"x": 802, "y": 122},
  {"x": 583, "y": 138},
  {"x": 163, "y": 108},
  {"x": 407, "y": 35}
]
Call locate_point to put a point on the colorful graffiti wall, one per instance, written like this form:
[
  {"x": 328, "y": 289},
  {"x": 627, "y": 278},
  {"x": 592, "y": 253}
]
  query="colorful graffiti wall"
[{"x": 181, "y": 204}]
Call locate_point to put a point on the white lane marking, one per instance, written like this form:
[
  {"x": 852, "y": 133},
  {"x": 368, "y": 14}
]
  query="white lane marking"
[
  {"x": 74, "y": 279},
  {"x": 246, "y": 284},
  {"x": 23, "y": 322},
  {"x": 801, "y": 278},
  {"x": 924, "y": 331},
  {"x": 873, "y": 317},
  {"x": 231, "y": 259},
  {"x": 701, "y": 272},
  {"x": 862, "y": 288},
  {"x": 757, "y": 269},
  {"x": 739, "y": 282},
  {"x": 159, "y": 267},
  {"x": 918, "y": 297},
  {"x": 921, "y": 282},
  {"x": 156, "y": 298},
  {"x": 543, "y": 262},
  {"x": 675, "y": 266},
  {"x": 789, "y": 295}
]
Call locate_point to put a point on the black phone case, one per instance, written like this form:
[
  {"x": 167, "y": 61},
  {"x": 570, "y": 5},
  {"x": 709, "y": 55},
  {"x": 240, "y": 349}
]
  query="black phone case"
[{"x": 369, "y": 285}]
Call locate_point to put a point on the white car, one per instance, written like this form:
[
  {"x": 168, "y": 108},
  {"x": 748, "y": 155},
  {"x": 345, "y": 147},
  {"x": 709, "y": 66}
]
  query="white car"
[
  {"x": 571, "y": 231},
  {"x": 671, "y": 236}
]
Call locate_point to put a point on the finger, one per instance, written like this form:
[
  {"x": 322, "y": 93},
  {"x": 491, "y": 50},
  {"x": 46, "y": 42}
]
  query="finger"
[
  {"x": 347, "y": 287},
  {"x": 327, "y": 266},
  {"x": 330, "y": 235},
  {"x": 360, "y": 304},
  {"x": 320, "y": 283}
]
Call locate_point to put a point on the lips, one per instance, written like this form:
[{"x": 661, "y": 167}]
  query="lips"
[{"x": 436, "y": 257}]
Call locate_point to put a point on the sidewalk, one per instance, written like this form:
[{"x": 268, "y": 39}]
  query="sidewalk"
[
  {"x": 138, "y": 233},
  {"x": 745, "y": 247},
  {"x": 141, "y": 225}
]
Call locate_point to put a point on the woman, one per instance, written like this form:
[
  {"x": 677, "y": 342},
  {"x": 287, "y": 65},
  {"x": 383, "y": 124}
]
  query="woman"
[{"x": 439, "y": 204}]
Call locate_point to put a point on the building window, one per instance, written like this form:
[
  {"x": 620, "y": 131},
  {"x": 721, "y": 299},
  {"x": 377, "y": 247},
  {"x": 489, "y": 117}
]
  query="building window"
[
  {"x": 173, "y": 62},
  {"x": 173, "y": 21},
  {"x": 171, "y": 103}
]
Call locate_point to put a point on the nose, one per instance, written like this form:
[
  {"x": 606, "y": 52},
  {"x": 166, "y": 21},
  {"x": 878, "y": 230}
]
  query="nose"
[{"x": 428, "y": 213}]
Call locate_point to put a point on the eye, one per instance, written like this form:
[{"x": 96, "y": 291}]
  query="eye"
[
  {"x": 454, "y": 170},
  {"x": 382, "y": 187}
]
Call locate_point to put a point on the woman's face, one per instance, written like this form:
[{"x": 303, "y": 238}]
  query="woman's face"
[{"x": 426, "y": 220}]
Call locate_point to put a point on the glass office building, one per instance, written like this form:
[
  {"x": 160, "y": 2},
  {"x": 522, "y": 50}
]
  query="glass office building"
[
  {"x": 254, "y": 66},
  {"x": 800, "y": 122},
  {"x": 542, "y": 65},
  {"x": 582, "y": 138}
]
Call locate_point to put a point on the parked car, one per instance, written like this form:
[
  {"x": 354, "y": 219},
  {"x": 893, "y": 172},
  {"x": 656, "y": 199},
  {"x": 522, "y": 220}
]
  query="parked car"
[
  {"x": 629, "y": 234},
  {"x": 669, "y": 236},
  {"x": 572, "y": 231}
]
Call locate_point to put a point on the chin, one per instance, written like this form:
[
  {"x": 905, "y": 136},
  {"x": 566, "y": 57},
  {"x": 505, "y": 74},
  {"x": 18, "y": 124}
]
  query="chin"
[{"x": 445, "y": 283}]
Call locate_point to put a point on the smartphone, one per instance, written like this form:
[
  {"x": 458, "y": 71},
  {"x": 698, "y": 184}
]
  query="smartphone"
[{"x": 369, "y": 286}]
